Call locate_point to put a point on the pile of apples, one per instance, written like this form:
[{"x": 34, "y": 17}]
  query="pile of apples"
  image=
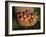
[{"x": 26, "y": 16}]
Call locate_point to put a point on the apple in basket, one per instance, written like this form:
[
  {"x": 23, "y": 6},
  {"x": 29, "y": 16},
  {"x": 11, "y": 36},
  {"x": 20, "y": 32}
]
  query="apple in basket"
[{"x": 26, "y": 18}]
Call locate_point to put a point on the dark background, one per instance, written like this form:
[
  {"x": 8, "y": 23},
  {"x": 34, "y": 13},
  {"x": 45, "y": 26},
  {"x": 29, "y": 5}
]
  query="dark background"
[{"x": 16, "y": 26}]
